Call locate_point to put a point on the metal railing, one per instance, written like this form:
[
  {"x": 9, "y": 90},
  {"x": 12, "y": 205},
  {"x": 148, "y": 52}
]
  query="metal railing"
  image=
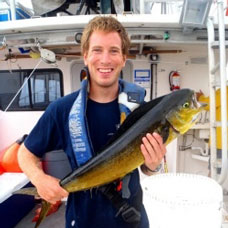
[{"x": 213, "y": 67}]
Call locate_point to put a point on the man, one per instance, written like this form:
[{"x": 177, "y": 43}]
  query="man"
[{"x": 102, "y": 98}]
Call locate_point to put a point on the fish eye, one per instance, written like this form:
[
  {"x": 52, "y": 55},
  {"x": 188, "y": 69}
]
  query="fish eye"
[{"x": 186, "y": 105}]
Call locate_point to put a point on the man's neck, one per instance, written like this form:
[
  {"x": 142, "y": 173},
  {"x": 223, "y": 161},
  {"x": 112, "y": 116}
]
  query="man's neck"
[{"x": 103, "y": 94}]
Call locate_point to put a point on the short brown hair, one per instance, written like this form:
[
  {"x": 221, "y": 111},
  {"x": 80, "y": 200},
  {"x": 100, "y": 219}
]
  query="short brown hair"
[{"x": 106, "y": 24}]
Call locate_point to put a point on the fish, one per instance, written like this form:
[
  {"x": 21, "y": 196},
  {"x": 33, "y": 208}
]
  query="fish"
[{"x": 170, "y": 116}]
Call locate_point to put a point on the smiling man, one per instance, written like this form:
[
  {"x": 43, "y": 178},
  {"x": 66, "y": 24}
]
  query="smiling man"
[
  {"x": 105, "y": 101},
  {"x": 105, "y": 60}
]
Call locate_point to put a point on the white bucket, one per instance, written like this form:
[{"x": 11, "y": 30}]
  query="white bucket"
[{"x": 182, "y": 201}]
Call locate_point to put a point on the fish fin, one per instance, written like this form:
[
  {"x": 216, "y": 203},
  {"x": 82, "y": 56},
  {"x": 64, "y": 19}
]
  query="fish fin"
[
  {"x": 44, "y": 210},
  {"x": 122, "y": 117},
  {"x": 27, "y": 191}
]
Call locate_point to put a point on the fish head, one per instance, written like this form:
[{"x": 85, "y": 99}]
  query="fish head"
[{"x": 185, "y": 114}]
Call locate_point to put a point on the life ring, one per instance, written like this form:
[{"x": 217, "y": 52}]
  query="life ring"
[{"x": 8, "y": 157}]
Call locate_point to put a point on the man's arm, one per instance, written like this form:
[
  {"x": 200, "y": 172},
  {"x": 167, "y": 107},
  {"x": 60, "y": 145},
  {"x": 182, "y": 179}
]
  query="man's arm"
[
  {"x": 47, "y": 186},
  {"x": 153, "y": 150}
]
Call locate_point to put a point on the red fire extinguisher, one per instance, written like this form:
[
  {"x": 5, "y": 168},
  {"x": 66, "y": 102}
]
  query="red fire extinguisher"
[
  {"x": 227, "y": 8},
  {"x": 174, "y": 80}
]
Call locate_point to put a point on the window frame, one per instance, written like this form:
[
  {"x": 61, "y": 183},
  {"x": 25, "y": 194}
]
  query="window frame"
[{"x": 27, "y": 72}]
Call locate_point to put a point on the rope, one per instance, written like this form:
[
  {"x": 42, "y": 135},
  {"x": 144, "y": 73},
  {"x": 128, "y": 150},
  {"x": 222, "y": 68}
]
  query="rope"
[{"x": 23, "y": 85}]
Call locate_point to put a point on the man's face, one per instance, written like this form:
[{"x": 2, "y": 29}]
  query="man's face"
[{"x": 104, "y": 58}]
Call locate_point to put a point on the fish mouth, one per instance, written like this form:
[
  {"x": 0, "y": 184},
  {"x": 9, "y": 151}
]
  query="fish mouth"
[
  {"x": 199, "y": 105},
  {"x": 202, "y": 105}
]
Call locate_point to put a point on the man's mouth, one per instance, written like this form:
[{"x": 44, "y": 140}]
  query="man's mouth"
[{"x": 107, "y": 70}]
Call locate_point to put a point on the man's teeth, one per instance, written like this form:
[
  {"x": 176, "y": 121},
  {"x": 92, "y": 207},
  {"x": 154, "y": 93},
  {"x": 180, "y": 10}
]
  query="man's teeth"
[{"x": 105, "y": 70}]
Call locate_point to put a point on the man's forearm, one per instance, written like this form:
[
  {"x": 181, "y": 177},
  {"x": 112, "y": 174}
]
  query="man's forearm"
[
  {"x": 47, "y": 186},
  {"x": 30, "y": 164}
]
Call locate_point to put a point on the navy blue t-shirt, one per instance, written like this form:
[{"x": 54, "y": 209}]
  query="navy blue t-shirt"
[
  {"x": 103, "y": 121},
  {"x": 85, "y": 209}
]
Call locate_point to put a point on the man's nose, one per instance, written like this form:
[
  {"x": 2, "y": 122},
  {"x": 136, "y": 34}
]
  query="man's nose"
[{"x": 105, "y": 57}]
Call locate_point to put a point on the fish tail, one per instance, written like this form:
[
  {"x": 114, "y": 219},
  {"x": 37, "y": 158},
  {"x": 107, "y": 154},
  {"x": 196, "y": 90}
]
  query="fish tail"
[
  {"x": 31, "y": 191},
  {"x": 44, "y": 210},
  {"x": 45, "y": 206}
]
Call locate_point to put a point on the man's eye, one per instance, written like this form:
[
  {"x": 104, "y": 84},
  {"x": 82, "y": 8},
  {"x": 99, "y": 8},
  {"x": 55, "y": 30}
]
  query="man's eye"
[
  {"x": 97, "y": 50},
  {"x": 114, "y": 51}
]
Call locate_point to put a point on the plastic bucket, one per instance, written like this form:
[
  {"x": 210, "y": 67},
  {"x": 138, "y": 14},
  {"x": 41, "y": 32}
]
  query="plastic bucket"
[{"x": 183, "y": 200}]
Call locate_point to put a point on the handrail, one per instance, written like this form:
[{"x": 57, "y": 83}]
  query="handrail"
[
  {"x": 211, "y": 64},
  {"x": 222, "y": 66},
  {"x": 222, "y": 52}
]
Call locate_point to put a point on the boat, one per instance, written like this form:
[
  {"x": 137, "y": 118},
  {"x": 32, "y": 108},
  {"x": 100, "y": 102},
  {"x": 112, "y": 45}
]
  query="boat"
[{"x": 174, "y": 44}]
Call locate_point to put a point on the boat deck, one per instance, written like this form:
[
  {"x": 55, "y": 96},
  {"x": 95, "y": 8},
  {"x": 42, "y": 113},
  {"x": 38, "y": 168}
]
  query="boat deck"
[{"x": 56, "y": 220}]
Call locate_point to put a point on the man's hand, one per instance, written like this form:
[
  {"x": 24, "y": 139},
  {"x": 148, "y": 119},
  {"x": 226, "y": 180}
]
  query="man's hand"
[
  {"x": 49, "y": 189},
  {"x": 153, "y": 150},
  {"x": 47, "y": 186}
]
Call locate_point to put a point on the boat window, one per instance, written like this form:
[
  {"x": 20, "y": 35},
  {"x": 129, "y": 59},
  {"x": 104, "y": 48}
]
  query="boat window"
[{"x": 44, "y": 86}]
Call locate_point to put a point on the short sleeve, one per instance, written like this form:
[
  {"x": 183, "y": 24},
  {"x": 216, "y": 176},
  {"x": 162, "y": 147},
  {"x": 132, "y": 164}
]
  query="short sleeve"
[{"x": 44, "y": 137}]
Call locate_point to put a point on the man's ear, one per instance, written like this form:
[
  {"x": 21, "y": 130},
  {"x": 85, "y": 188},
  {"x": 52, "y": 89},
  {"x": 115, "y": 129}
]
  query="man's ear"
[
  {"x": 124, "y": 59},
  {"x": 85, "y": 59}
]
